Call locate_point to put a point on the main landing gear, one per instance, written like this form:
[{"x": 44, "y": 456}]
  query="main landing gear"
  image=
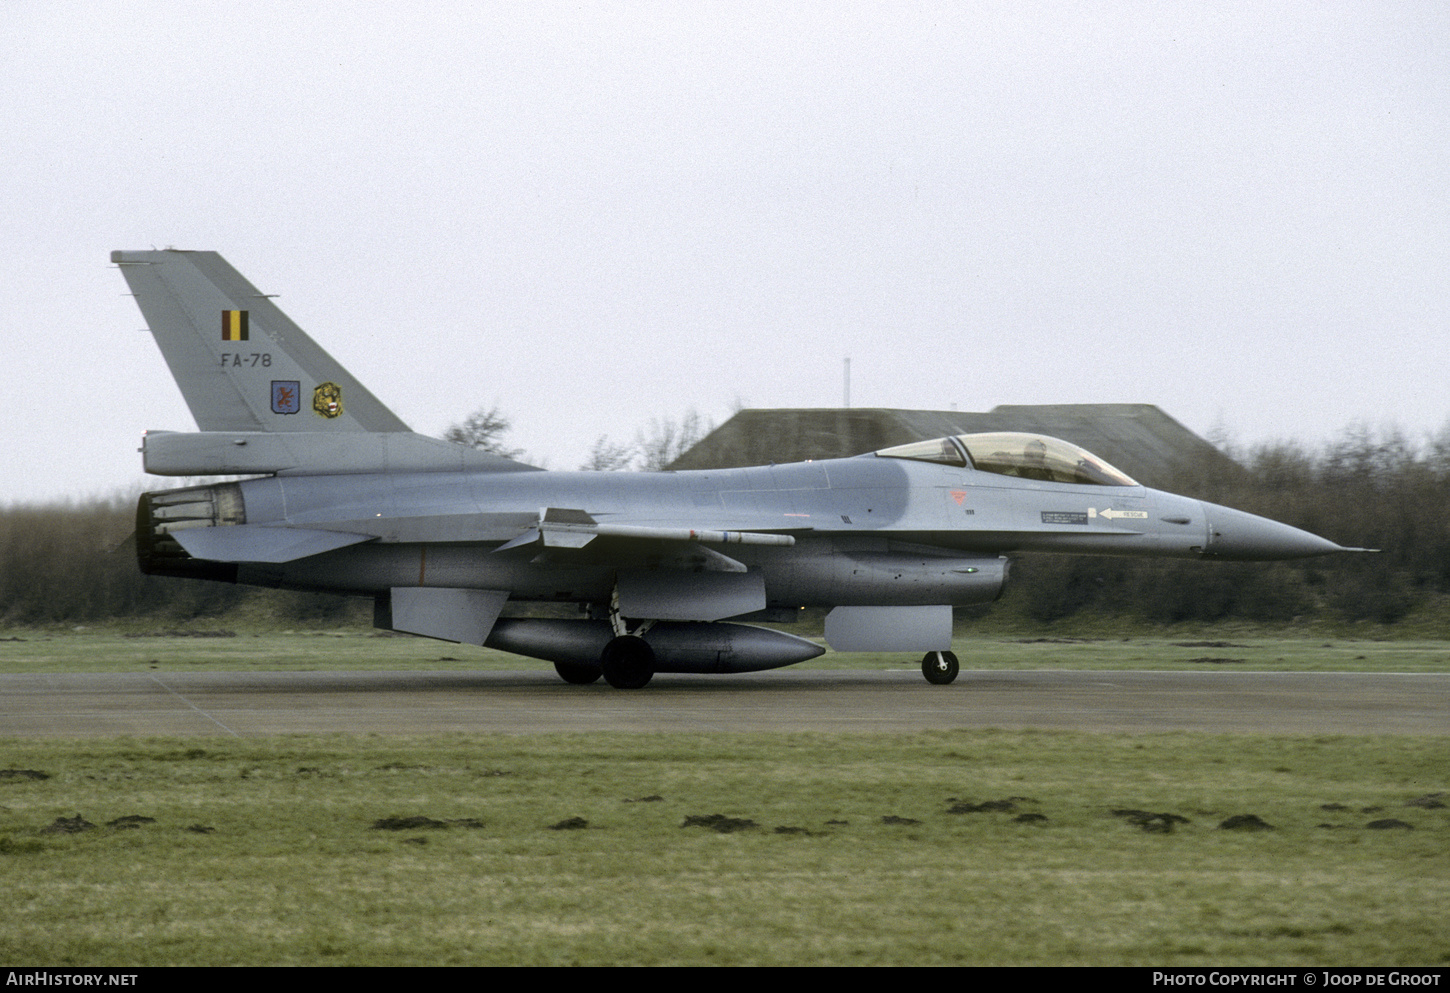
[
  {"x": 628, "y": 662},
  {"x": 579, "y": 675},
  {"x": 939, "y": 667}
]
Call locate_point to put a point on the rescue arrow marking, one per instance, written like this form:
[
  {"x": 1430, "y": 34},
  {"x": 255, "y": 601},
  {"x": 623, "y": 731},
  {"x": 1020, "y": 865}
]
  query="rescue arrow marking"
[{"x": 1111, "y": 514}]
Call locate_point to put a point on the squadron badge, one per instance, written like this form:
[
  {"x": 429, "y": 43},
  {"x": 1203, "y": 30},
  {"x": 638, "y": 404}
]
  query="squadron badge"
[
  {"x": 286, "y": 396},
  {"x": 327, "y": 400}
]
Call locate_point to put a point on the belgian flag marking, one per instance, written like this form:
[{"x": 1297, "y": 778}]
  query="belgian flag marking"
[{"x": 234, "y": 325}]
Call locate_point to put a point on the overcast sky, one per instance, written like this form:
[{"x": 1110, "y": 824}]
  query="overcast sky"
[{"x": 595, "y": 214}]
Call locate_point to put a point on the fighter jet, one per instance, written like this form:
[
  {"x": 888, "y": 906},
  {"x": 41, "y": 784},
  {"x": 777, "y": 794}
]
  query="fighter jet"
[{"x": 666, "y": 568}]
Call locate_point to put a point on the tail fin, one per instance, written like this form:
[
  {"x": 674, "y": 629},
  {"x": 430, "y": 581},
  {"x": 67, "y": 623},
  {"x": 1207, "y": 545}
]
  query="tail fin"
[{"x": 240, "y": 362}]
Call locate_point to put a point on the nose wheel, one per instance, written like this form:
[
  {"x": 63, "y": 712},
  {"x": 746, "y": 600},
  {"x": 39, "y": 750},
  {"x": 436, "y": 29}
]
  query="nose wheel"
[{"x": 939, "y": 668}]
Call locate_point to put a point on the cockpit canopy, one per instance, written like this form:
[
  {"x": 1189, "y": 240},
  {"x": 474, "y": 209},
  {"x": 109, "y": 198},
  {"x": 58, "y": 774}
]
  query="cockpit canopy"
[{"x": 1013, "y": 453}]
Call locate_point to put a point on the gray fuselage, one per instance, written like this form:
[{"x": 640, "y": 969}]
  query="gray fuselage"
[{"x": 868, "y": 530}]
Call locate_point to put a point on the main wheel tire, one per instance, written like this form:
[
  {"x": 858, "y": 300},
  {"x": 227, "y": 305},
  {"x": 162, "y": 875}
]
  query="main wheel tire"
[
  {"x": 939, "y": 668},
  {"x": 579, "y": 675},
  {"x": 627, "y": 663}
]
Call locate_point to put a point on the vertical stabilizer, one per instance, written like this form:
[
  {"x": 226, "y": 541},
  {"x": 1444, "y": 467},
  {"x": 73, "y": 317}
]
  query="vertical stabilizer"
[{"x": 240, "y": 362}]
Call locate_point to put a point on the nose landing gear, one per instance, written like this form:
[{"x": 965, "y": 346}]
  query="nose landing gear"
[{"x": 939, "y": 668}]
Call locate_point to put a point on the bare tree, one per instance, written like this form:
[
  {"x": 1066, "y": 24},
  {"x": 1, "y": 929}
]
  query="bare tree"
[
  {"x": 668, "y": 440},
  {"x": 483, "y": 429},
  {"x": 606, "y": 456}
]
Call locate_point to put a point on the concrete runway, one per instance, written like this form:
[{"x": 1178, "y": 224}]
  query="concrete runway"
[{"x": 248, "y": 704}]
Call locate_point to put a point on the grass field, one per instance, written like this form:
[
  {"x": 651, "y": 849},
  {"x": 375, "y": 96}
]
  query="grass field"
[
  {"x": 846, "y": 849},
  {"x": 265, "y": 851}
]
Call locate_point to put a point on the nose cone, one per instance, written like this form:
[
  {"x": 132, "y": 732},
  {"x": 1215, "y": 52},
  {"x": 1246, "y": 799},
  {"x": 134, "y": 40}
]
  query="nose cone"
[{"x": 1233, "y": 534}]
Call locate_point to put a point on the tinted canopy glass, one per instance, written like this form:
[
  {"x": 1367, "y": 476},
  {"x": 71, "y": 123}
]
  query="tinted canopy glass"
[{"x": 1013, "y": 453}]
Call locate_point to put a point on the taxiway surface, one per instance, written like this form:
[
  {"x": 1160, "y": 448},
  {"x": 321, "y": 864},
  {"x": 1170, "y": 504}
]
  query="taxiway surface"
[{"x": 248, "y": 704}]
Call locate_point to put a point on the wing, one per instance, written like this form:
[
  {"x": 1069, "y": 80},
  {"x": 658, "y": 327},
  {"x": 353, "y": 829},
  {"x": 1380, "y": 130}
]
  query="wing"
[{"x": 568, "y": 528}]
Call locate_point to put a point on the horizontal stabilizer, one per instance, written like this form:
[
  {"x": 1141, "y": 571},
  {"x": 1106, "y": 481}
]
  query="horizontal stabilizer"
[
  {"x": 215, "y": 453},
  {"x": 255, "y": 543}
]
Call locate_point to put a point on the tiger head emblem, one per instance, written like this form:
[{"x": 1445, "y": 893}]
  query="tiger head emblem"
[{"x": 327, "y": 400}]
